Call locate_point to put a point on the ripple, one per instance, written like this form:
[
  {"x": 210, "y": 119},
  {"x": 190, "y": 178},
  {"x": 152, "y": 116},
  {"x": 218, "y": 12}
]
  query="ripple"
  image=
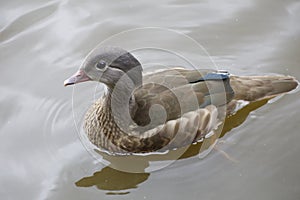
[{"x": 26, "y": 21}]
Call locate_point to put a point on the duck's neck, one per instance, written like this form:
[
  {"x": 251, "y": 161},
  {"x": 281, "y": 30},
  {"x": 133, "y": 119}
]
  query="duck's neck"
[{"x": 120, "y": 100}]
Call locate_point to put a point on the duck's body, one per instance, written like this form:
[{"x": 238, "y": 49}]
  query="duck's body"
[
  {"x": 163, "y": 110},
  {"x": 178, "y": 126}
]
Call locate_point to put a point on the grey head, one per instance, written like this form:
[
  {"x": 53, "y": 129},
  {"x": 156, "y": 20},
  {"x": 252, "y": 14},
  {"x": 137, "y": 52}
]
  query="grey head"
[{"x": 107, "y": 65}]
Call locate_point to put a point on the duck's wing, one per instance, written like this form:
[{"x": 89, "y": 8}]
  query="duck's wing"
[
  {"x": 175, "y": 77},
  {"x": 168, "y": 94}
]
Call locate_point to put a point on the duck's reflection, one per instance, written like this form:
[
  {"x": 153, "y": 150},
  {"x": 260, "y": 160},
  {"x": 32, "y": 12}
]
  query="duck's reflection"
[
  {"x": 118, "y": 181},
  {"x": 113, "y": 180}
]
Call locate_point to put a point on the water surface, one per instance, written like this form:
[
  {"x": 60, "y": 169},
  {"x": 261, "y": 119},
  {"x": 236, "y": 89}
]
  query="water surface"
[{"x": 43, "y": 43}]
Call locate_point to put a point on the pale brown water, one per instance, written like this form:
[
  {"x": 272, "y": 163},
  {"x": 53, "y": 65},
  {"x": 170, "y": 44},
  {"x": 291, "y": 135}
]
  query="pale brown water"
[{"x": 42, "y": 43}]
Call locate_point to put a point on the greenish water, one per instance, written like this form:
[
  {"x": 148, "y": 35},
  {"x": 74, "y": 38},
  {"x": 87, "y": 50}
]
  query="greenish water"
[{"x": 41, "y": 153}]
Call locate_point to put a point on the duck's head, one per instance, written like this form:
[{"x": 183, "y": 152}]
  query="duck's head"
[{"x": 108, "y": 65}]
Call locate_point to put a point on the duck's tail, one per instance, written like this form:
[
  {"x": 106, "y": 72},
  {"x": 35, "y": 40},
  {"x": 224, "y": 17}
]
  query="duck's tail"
[{"x": 253, "y": 88}]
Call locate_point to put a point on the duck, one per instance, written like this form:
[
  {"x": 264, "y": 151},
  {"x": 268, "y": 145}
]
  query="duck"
[{"x": 165, "y": 109}]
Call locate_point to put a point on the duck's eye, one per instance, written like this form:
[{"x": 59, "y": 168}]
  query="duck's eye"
[{"x": 101, "y": 65}]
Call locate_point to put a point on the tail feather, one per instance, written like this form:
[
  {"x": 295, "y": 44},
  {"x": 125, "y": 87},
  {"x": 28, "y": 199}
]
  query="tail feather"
[{"x": 253, "y": 88}]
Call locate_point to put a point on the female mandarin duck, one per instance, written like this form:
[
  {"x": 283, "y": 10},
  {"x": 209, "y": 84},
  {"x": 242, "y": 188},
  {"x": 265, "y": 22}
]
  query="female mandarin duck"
[{"x": 162, "y": 110}]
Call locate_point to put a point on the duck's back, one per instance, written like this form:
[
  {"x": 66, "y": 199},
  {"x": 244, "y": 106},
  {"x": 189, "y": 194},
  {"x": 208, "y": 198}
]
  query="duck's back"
[{"x": 168, "y": 94}]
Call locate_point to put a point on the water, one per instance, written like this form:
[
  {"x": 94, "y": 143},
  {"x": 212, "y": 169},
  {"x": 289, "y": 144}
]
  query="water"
[{"x": 43, "y": 43}]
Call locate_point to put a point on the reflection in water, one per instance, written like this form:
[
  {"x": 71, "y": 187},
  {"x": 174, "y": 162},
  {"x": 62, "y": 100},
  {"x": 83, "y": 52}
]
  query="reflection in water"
[{"x": 111, "y": 179}]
